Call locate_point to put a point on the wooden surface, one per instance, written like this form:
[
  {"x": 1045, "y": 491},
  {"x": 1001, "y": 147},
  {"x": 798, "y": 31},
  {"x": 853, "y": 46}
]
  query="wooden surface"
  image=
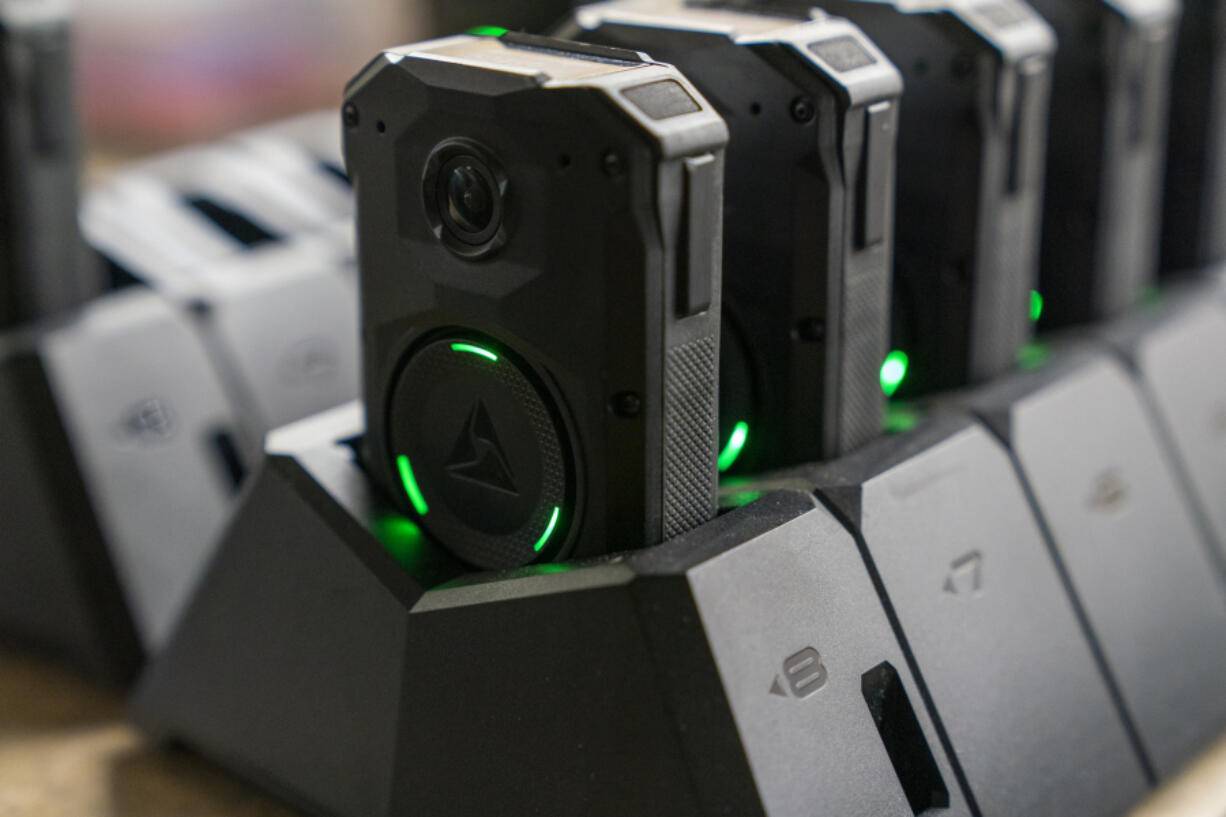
[{"x": 65, "y": 751}]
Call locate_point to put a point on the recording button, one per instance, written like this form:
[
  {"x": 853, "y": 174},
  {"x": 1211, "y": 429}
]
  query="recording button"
[{"x": 480, "y": 455}]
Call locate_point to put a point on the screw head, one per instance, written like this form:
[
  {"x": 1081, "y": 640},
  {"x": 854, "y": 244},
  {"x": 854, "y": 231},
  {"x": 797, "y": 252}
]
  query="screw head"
[
  {"x": 626, "y": 404},
  {"x": 963, "y": 67},
  {"x": 803, "y": 109},
  {"x": 812, "y": 330},
  {"x": 613, "y": 163}
]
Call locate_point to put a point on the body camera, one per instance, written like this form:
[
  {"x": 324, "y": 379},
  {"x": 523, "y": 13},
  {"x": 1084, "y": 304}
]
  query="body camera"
[
  {"x": 539, "y": 253},
  {"x": 970, "y": 178},
  {"x": 43, "y": 266},
  {"x": 812, "y": 109},
  {"x": 1106, "y": 152}
]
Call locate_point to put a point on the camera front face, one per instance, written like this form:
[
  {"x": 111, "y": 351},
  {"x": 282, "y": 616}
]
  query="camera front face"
[
  {"x": 523, "y": 314},
  {"x": 478, "y": 435},
  {"x": 465, "y": 193}
]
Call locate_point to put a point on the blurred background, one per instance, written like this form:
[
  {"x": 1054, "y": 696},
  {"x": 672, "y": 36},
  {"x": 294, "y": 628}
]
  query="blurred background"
[{"x": 154, "y": 75}]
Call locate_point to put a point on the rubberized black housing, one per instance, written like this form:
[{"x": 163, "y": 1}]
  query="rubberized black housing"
[
  {"x": 1194, "y": 207},
  {"x": 812, "y": 107},
  {"x": 539, "y": 234},
  {"x": 1106, "y": 149},
  {"x": 44, "y": 268},
  {"x": 970, "y": 176}
]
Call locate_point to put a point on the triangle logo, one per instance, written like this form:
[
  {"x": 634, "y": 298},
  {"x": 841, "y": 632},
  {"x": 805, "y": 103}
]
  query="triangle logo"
[{"x": 477, "y": 455}]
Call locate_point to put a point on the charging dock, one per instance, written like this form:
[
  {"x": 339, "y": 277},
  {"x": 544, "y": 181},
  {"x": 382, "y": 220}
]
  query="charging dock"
[
  {"x": 744, "y": 668},
  {"x": 1138, "y": 565},
  {"x": 980, "y": 607},
  {"x": 121, "y": 460},
  {"x": 1025, "y": 617},
  {"x": 1175, "y": 350}
]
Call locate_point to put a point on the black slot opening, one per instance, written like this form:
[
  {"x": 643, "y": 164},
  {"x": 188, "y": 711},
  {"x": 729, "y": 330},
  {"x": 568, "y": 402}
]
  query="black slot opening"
[
  {"x": 115, "y": 275},
  {"x": 228, "y": 456},
  {"x": 238, "y": 226},
  {"x": 337, "y": 171},
  {"x": 903, "y": 738}
]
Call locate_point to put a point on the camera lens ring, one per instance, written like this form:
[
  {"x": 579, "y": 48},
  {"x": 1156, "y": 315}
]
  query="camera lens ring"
[
  {"x": 469, "y": 200},
  {"x": 465, "y": 192}
]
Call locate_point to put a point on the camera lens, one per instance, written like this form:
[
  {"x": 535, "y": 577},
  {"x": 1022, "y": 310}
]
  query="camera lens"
[{"x": 470, "y": 201}]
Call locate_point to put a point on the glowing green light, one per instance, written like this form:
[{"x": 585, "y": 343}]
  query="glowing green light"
[
  {"x": 893, "y": 371},
  {"x": 1036, "y": 305},
  {"x": 470, "y": 349},
  {"x": 553, "y": 523},
  {"x": 740, "y": 499},
  {"x": 402, "y": 539},
  {"x": 410, "y": 485},
  {"x": 900, "y": 419},
  {"x": 1032, "y": 356},
  {"x": 1151, "y": 297},
  {"x": 736, "y": 444},
  {"x": 487, "y": 31},
  {"x": 547, "y": 569}
]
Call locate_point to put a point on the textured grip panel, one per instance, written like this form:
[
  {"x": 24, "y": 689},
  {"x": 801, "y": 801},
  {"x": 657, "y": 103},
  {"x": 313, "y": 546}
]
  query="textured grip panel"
[
  {"x": 690, "y": 435},
  {"x": 865, "y": 338},
  {"x": 1001, "y": 322}
]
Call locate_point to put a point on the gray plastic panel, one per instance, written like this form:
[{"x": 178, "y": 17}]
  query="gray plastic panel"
[
  {"x": 240, "y": 179},
  {"x": 304, "y": 151},
  {"x": 994, "y": 633},
  {"x": 285, "y": 322},
  {"x": 141, "y": 403},
  {"x": 1141, "y": 570},
  {"x": 139, "y": 222},
  {"x": 813, "y": 750},
  {"x": 1182, "y": 367},
  {"x": 58, "y": 590}
]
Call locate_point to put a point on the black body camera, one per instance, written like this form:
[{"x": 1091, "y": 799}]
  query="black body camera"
[
  {"x": 1194, "y": 206},
  {"x": 970, "y": 179},
  {"x": 812, "y": 107},
  {"x": 539, "y": 251},
  {"x": 43, "y": 265},
  {"x": 1106, "y": 150}
]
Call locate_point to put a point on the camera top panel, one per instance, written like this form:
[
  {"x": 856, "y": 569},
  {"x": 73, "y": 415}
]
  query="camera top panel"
[
  {"x": 1011, "y": 27},
  {"x": 655, "y": 95},
  {"x": 733, "y": 22},
  {"x": 548, "y": 61},
  {"x": 1145, "y": 10},
  {"x": 837, "y": 48}
]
